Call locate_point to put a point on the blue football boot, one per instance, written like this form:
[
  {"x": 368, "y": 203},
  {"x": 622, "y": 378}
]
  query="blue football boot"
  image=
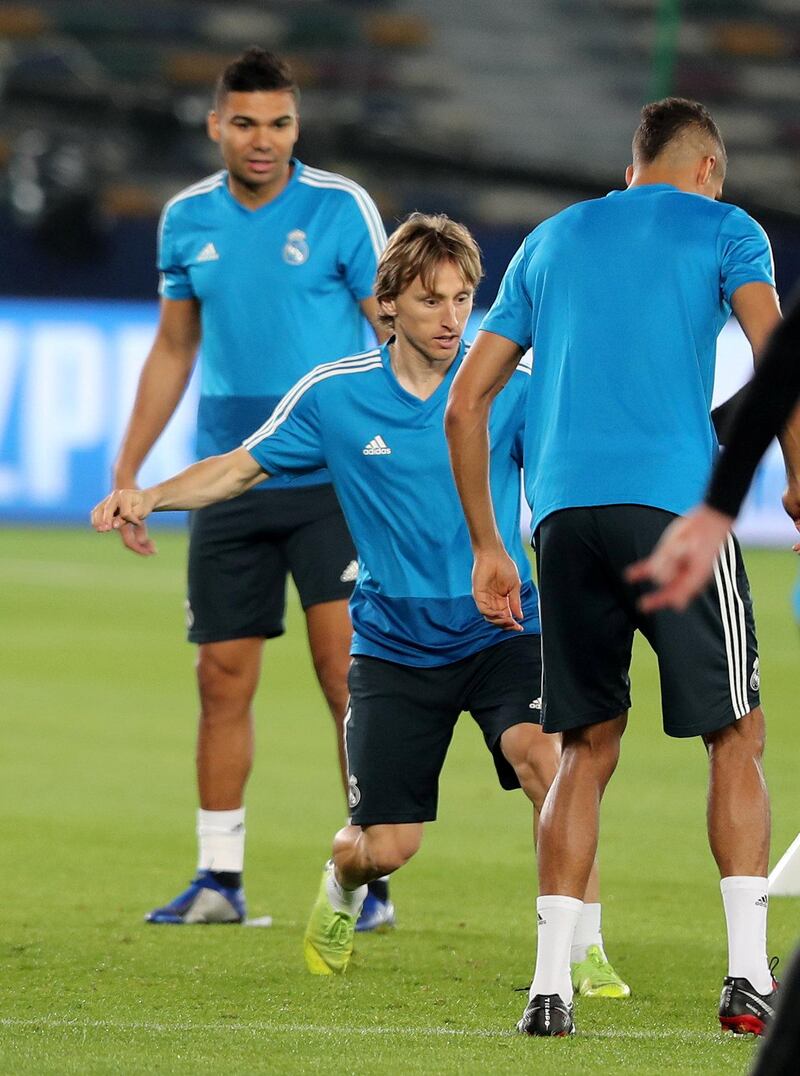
[
  {"x": 377, "y": 912},
  {"x": 205, "y": 901}
]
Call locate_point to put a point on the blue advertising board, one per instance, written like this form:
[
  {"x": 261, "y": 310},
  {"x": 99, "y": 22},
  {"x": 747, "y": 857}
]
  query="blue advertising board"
[{"x": 68, "y": 375}]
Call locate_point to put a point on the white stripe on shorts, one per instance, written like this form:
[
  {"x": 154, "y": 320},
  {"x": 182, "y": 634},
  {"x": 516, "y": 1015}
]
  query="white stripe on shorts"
[{"x": 731, "y": 608}]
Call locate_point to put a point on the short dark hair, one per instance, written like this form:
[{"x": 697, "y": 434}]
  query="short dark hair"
[
  {"x": 417, "y": 248},
  {"x": 256, "y": 69},
  {"x": 662, "y": 121}
]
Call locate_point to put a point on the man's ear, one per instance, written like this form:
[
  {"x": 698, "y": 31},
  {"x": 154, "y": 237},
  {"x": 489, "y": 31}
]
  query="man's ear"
[
  {"x": 212, "y": 126},
  {"x": 628, "y": 175},
  {"x": 706, "y": 170}
]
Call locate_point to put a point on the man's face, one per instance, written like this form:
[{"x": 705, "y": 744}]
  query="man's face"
[
  {"x": 256, "y": 133},
  {"x": 432, "y": 320}
]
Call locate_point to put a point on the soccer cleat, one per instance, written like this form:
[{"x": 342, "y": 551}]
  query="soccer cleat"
[
  {"x": 742, "y": 1009},
  {"x": 594, "y": 977},
  {"x": 376, "y": 914},
  {"x": 328, "y": 940},
  {"x": 205, "y": 901},
  {"x": 546, "y": 1015}
]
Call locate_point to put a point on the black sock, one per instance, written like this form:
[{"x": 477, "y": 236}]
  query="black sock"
[
  {"x": 230, "y": 879},
  {"x": 380, "y": 889}
]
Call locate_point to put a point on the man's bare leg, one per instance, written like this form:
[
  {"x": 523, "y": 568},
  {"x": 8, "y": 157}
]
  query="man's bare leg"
[
  {"x": 360, "y": 855},
  {"x": 568, "y": 832},
  {"x": 227, "y": 677},
  {"x": 739, "y": 832},
  {"x": 535, "y": 756}
]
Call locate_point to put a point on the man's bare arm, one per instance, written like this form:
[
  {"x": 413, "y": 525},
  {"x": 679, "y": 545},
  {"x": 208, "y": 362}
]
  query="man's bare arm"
[
  {"x": 758, "y": 312},
  {"x": 162, "y": 383},
  {"x": 490, "y": 363},
  {"x": 218, "y": 478}
]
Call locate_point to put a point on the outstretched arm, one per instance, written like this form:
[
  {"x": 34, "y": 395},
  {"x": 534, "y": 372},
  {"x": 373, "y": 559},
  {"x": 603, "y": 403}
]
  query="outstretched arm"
[
  {"x": 495, "y": 581},
  {"x": 218, "y": 478}
]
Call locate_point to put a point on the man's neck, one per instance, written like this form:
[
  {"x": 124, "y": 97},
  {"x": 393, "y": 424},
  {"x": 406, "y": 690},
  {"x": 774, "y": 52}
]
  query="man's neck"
[
  {"x": 647, "y": 177},
  {"x": 418, "y": 374}
]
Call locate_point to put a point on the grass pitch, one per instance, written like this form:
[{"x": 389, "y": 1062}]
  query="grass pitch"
[{"x": 97, "y": 805}]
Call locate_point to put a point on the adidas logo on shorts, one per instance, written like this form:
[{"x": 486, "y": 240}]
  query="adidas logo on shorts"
[{"x": 350, "y": 574}]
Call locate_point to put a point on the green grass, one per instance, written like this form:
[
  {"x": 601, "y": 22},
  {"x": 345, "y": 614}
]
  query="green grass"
[{"x": 97, "y": 806}]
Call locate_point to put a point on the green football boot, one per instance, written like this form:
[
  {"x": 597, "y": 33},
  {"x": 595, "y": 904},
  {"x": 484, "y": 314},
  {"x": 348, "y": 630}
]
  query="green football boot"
[
  {"x": 328, "y": 940},
  {"x": 595, "y": 978}
]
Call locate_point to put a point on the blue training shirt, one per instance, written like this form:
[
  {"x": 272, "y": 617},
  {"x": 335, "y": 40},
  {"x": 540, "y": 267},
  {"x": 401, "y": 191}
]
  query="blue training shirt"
[
  {"x": 622, "y": 299},
  {"x": 387, "y": 455},
  {"x": 272, "y": 284}
]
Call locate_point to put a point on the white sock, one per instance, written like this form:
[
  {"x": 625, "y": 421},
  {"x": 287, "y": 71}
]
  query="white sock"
[
  {"x": 557, "y": 918},
  {"x": 344, "y": 900},
  {"x": 220, "y": 836},
  {"x": 587, "y": 932},
  {"x": 745, "y": 900}
]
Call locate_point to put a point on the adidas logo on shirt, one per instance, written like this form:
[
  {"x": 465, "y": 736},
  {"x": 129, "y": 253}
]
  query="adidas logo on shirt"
[
  {"x": 377, "y": 447},
  {"x": 208, "y": 254}
]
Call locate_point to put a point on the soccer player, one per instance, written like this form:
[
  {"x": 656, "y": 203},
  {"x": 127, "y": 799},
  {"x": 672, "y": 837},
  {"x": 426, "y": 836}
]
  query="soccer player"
[
  {"x": 421, "y": 652},
  {"x": 683, "y": 561},
  {"x": 622, "y": 299},
  {"x": 268, "y": 266}
]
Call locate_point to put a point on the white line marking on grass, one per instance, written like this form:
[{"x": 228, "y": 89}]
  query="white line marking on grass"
[{"x": 259, "y": 1026}]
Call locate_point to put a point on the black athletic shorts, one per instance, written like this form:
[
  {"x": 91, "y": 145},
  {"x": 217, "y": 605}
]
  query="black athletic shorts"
[
  {"x": 241, "y": 551},
  {"x": 707, "y": 656},
  {"x": 401, "y": 721}
]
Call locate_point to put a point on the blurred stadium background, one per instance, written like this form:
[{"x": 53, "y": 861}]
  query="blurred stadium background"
[{"x": 499, "y": 114}]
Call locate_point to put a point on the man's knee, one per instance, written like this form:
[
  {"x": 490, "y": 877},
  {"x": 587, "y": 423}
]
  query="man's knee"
[
  {"x": 594, "y": 746},
  {"x": 227, "y": 677},
  {"x": 743, "y": 738},
  {"x": 386, "y": 848},
  {"x": 534, "y": 754}
]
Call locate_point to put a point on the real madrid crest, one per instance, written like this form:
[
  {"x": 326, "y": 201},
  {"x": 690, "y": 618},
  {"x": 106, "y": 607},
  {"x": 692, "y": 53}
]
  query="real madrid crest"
[{"x": 295, "y": 250}]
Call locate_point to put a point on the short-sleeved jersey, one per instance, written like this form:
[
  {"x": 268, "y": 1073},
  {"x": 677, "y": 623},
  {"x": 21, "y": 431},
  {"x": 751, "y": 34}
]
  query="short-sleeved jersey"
[
  {"x": 387, "y": 455},
  {"x": 278, "y": 289},
  {"x": 622, "y": 299}
]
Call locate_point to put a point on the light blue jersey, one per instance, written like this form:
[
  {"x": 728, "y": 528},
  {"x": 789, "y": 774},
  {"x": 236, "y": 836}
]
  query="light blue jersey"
[
  {"x": 622, "y": 299},
  {"x": 387, "y": 456},
  {"x": 278, "y": 289}
]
